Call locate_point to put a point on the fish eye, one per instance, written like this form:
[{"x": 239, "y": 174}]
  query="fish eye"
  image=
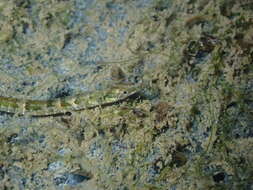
[{"x": 125, "y": 92}]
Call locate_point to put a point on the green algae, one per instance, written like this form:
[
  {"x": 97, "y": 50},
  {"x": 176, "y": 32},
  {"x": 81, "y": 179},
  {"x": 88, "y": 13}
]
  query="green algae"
[{"x": 196, "y": 57}]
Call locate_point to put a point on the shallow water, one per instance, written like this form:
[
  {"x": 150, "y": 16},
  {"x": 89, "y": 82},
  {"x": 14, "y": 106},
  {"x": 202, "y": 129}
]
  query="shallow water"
[{"x": 188, "y": 128}]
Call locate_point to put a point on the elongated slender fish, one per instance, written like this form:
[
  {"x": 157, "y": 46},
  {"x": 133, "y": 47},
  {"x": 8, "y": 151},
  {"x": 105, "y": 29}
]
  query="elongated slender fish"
[{"x": 67, "y": 104}]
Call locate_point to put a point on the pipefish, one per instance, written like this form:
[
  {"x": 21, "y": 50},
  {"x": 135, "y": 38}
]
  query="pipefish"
[{"x": 67, "y": 105}]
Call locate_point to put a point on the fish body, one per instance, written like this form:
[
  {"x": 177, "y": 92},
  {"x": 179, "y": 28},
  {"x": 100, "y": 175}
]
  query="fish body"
[{"x": 66, "y": 104}]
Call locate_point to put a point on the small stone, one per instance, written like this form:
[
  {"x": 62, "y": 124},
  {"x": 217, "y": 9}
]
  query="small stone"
[
  {"x": 219, "y": 177},
  {"x": 117, "y": 74}
]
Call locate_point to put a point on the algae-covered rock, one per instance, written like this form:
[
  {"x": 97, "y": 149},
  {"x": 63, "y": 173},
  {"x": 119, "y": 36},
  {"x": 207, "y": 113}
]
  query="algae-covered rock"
[
  {"x": 178, "y": 77},
  {"x": 6, "y": 32}
]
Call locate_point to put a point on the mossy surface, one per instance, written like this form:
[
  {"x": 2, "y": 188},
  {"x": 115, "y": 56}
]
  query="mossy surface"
[{"x": 191, "y": 128}]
